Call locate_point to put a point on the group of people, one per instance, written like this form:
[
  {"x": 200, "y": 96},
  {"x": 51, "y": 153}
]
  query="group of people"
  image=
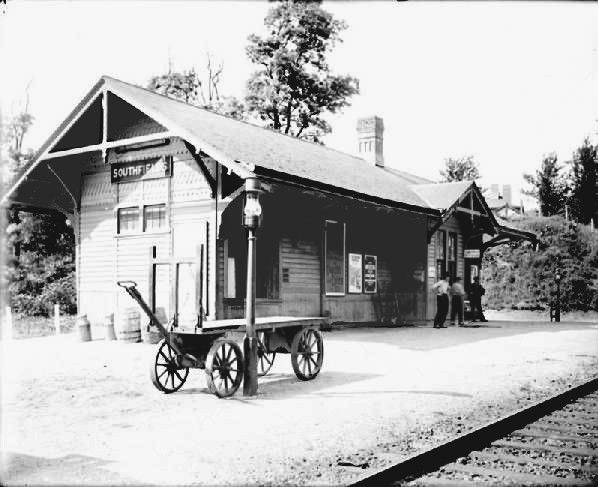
[{"x": 457, "y": 295}]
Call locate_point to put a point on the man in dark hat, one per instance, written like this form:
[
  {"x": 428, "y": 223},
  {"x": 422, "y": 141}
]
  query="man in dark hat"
[{"x": 475, "y": 297}]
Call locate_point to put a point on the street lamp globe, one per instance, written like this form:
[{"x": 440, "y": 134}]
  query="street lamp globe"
[{"x": 253, "y": 209}]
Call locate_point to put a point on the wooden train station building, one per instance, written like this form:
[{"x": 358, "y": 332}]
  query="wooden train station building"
[{"x": 155, "y": 192}]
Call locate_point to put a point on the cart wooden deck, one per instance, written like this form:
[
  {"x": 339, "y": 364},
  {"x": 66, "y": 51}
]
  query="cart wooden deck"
[{"x": 261, "y": 324}]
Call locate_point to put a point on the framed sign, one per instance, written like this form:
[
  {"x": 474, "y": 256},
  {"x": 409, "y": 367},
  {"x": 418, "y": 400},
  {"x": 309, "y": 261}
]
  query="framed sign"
[
  {"x": 370, "y": 273},
  {"x": 355, "y": 273},
  {"x": 157, "y": 167},
  {"x": 335, "y": 258},
  {"x": 471, "y": 253}
]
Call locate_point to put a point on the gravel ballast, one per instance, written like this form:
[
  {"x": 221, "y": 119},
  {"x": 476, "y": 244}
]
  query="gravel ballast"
[{"x": 87, "y": 413}]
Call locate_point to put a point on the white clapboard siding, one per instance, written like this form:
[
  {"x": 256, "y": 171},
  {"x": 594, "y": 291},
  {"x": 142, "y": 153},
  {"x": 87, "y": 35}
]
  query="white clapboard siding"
[
  {"x": 188, "y": 183},
  {"x": 97, "y": 288},
  {"x": 301, "y": 262},
  {"x": 133, "y": 262}
]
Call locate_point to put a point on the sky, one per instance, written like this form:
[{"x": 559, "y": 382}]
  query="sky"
[{"x": 504, "y": 82}]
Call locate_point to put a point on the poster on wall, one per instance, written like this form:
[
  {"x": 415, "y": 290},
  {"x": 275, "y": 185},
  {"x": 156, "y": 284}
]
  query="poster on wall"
[
  {"x": 370, "y": 273},
  {"x": 355, "y": 273}
]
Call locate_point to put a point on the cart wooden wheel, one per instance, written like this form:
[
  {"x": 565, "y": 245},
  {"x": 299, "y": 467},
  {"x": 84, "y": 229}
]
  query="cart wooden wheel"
[
  {"x": 224, "y": 368},
  {"x": 307, "y": 353},
  {"x": 166, "y": 375},
  {"x": 265, "y": 359}
]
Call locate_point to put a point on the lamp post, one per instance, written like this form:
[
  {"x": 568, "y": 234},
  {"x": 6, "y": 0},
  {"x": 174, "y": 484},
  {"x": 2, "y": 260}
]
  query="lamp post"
[
  {"x": 557, "y": 311},
  {"x": 251, "y": 220}
]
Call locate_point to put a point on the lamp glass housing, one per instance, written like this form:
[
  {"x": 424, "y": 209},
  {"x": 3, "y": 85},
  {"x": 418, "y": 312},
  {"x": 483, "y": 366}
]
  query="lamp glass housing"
[{"x": 253, "y": 210}]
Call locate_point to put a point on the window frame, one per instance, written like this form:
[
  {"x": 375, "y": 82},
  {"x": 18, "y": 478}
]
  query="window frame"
[
  {"x": 441, "y": 243},
  {"x": 133, "y": 231},
  {"x": 159, "y": 229},
  {"x": 344, "y": 254},
  {"x": 452, "y": 257}
]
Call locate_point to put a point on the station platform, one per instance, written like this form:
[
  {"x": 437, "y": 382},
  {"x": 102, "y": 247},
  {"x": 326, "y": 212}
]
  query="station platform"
[{"x": 383, "y": 393}]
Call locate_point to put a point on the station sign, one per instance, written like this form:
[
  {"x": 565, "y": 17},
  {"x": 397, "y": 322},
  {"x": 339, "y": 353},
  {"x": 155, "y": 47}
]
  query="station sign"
[
  {"x": 157, "y": 167},
  {"x": 471, "y": 253}
]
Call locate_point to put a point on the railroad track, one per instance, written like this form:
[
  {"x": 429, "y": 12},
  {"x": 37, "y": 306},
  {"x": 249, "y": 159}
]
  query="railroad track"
[{"x": 553, "y": 442}]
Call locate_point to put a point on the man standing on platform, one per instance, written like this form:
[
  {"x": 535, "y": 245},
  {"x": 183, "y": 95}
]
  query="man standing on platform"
[
  {"x": 457, "y": 293},
  {"x": 475, "y": 296},
  {"x": 442, "y": 302}
]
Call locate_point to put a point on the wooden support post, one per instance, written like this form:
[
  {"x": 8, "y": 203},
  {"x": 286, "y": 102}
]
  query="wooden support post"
[
  {"x": 250, "y": 343},
  {"x": 57, "y": 318}
]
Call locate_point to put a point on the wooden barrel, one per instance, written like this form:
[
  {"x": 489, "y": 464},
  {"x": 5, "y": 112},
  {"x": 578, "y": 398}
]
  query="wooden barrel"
[
  {"x": 84, "y": 328},
  {"x": 150, "y": 333},
  {"x": 109, "y": 327},
  {"x": 129, "y": 329}
]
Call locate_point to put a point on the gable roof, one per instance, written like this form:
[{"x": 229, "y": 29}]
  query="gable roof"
[
  {"x": 441, "y": 195},
  {"x": 257, "y": 147},
  {"x": 248, "y": 150}
]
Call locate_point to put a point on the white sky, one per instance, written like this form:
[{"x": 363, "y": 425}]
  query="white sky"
[{"x": 504, "y": 82}]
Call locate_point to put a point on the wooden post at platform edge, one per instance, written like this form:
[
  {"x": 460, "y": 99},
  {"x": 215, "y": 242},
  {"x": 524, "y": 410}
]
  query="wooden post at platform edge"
[
  {"x": 57, "y": 318},
  {"x": 7, "y": 330}
]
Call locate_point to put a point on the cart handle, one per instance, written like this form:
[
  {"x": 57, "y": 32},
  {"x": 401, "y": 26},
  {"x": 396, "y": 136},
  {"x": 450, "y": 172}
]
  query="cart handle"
[{"x": 126, "y": 284}]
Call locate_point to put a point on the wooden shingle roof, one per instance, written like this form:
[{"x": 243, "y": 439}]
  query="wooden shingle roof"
[
  {"x": 257, "y": 147},
  {"x": 252, "y": 150}
]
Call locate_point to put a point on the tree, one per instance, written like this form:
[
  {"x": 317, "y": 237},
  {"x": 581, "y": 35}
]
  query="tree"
[
  {"x": 583, "y": 199},
  {"x": 548, "y": 186},
  {"x": 461, "y": 169},
  {"x": 293, "y": 87},
  {"x": 188, "y": 86},
  {"x": 39, "y": 266}
]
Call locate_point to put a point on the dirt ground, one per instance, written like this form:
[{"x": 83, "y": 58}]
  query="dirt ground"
[{"x": 86, "y": 413}]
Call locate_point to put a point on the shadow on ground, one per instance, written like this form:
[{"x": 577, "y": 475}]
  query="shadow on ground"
[
  {"x": 283, "y": 386},
  {"x": 21, "y": 469},
  {"x": 425, "y": 338}
]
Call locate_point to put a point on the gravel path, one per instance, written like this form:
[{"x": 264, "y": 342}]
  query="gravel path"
[{"x": 86, "y": 413}]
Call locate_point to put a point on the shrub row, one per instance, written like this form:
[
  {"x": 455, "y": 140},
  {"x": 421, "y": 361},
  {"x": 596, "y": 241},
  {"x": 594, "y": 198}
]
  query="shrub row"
[{"x": 517, "y": 276}]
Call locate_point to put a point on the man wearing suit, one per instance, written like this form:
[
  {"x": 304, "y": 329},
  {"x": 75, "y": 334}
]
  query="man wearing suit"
[
  {"x": 442, "y": 302},
  {"x": 475, "y": 297}
]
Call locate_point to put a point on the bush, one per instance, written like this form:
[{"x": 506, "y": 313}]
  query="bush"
[
  {"x": 42, "y": 273},
  {"x": 516, "y": 276},
  {"x": 35, "y": 285}
]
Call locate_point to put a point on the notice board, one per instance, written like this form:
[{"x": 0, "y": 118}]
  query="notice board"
[
  {"x": 370, "y": 273},
  {"x": 355, "y": 273}
]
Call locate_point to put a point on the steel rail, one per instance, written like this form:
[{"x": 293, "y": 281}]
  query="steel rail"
[{"x": 462, "y": 445}]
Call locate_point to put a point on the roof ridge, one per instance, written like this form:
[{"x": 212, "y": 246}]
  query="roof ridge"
[{"x": 268, "y": 129}]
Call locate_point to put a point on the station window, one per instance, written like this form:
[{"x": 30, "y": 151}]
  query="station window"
[
  {"x": 154, "y": 217},
  {"x": 452, "y": 255},
  {"x": 440, "y": 253},
  {"x": 334, "y": 258},
  {"x": 128, "y": 219}
]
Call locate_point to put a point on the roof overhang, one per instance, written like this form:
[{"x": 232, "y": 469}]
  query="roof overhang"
[
  {"x": 507, "y": 234},
  {"x": 274, "y": 176},
  {"x": 56, "y": 195},
  {"x": 483, "y": 212}
]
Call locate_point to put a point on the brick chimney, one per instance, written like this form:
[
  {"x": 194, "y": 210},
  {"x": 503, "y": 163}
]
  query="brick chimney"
[
  {"x": 370, "y": 137},
  {"x": 494, "y": 191},
  {"x": 507, "y": 193}
]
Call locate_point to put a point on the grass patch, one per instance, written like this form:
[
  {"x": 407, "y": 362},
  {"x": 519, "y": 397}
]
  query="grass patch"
[{"x": 38, "y": 326}]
